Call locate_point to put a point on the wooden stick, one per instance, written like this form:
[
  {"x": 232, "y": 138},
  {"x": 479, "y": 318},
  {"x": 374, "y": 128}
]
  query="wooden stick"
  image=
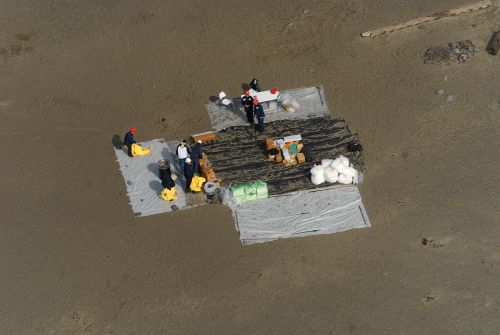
[{"x": 437, "y": 16}]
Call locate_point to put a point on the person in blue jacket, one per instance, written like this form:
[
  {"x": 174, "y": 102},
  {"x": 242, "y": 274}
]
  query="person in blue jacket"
[
  {"x": 188, "y": 173},
  {"x": 259, "y": 114},
  {"x": 196, "y": 155},
  {"x": 129, "y": 140},
  {"x": 246, "y": 101}
]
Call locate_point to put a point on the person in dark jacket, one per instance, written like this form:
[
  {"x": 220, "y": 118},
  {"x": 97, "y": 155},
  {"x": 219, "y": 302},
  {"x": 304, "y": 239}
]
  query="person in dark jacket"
[
  {"x": 259, "y": 114},
  {"x": 254, "y": 85},
  {"x": 196, "y": 155},
  {"x": 182, "y": 151},
  {"x": 188, "y": 173},
  {"x": 166, "y": 177},
  {"x": 246, "y": 101},
  {"x": 167, "y": 181},
  {"x": 129, "y": 140}
]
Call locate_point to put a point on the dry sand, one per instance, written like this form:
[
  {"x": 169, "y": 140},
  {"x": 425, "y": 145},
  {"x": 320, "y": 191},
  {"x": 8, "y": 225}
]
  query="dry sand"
[{"x": 74, "y": 260}]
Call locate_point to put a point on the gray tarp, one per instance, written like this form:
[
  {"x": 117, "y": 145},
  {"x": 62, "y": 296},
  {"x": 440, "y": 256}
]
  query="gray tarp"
[
  {"x": 143, "y": 184},
  {"x": 302, "y": 213},
  {"x": 311, "y": 101}
]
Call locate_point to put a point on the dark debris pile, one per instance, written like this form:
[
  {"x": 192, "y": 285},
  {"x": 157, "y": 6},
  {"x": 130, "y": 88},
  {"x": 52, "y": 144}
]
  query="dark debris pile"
[
  {"x": 239, "y": 156},
  {"x": 460, "y": 51}
]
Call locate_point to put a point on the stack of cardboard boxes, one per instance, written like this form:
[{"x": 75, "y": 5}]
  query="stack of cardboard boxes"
[
  {"x": 289, "y": 153},
  {"x": 208, "y": 172},
  {"x": 271, "y": 145}
]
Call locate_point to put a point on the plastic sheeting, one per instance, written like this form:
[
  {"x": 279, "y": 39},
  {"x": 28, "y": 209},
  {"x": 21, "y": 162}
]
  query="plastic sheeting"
[
  {"x": 144, "y": 185},
  {"x": 302, "y": 213},
  {"x": 311, "y": 104}
]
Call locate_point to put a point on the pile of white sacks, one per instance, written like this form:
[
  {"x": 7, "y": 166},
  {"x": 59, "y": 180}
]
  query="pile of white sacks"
[{"x": 336, "y": 170}]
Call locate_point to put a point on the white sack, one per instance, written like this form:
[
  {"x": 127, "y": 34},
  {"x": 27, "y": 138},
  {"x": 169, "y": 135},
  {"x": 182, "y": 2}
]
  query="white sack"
[
  {"x": 344, "y": 160},
  {"x": 317, "y": 179},
  {"x": 345, "y": 179},
  {"x": 331, "y": 174},
  {"x": 326, "y": 162},
  {"x": 317, "y": 170}
]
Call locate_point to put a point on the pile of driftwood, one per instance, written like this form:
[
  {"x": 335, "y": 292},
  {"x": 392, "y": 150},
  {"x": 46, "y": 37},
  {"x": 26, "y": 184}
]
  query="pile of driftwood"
[
  {"x": 414, "y": 22},
  {"x": 459, "y": 51}
]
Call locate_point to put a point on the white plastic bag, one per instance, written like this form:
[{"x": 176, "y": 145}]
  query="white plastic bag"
[
  {"x": 340, "y": 161},
  {"x": 317, "y": 170},
  {"x": 331, "y": 174},
  {"x": 345, "y": 179},
  {"x": 289, "y": 103},
  {"x": 317, "y": 179},
  {"x": 326, "y": 162},
  {"x": 317, "y": 176},
  {"x": 344, "y": 160}
]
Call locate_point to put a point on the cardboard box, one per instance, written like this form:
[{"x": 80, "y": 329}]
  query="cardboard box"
[
  {"x": 289, "y": 162},
  {"x": 300, "y": 146},
  {"x": 279, "y": 157},
  {"x": 301, "y": 158},
  {"x": 209, "y": 136},
  {"x": 209, "y": 174},
  {"x": 269, "y": 143},
  {"x": 272, "y": 157}
]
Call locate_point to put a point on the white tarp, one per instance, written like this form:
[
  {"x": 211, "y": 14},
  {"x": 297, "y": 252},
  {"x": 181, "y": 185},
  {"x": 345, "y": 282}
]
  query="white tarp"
[
  {"x": 302, "y": 213},
  {"x": 324, "y": 210},
  {"x": 311, "y": 103},
  {"x": 143, "y": 183}
]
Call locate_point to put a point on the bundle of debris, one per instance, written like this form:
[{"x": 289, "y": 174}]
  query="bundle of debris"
[{"x": 459, "y": 51}]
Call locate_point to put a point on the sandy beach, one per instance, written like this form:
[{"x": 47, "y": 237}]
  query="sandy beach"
[{"x": 73, "y": 258}]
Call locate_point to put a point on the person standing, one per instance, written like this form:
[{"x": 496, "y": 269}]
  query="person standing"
[
  {"x": 246, "y": 101},
  {"x": 259, "y": 114},
  {"x": 129, "y": 140},
  {"x": 196, "y": 155},
  {"x": 188, "y": 173},
  {"x": 182, "y": 153},
  {"x": 254, "y": 85}
]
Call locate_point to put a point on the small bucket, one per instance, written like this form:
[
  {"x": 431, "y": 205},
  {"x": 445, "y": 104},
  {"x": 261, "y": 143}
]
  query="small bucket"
[{"x": 163, "y": 168}]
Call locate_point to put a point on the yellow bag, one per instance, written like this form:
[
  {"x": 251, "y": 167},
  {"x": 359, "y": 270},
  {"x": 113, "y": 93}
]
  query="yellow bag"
[
  {"x": 168, "y": 195},
  {"x": 197, "y": 183},
  {"x": 138, "y": 150}
]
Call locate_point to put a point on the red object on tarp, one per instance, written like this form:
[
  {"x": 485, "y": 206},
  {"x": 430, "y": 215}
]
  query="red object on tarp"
[{"x": 274, "y": 91}]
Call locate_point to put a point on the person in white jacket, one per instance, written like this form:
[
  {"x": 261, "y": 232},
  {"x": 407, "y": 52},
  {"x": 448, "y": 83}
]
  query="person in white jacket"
[{"x": 182, "y": 153}]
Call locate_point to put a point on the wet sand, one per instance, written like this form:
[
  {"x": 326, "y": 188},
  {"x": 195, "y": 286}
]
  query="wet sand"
[{"x": 74, "y": 260}]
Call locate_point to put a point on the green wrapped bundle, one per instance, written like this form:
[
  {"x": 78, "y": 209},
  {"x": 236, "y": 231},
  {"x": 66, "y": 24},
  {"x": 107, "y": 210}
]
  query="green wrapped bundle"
[
  {"x": 261, "y": 188},
  {"x": 238, "y": 190},
  {"x": 250, "y": 191}
]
